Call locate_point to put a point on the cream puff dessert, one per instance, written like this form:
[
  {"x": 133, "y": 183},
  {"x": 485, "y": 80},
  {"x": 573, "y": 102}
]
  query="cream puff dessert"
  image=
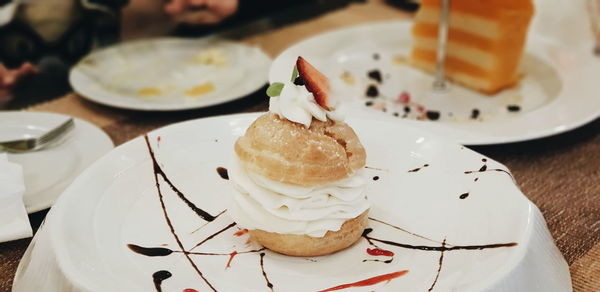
[{"x": 299, "y": 171}]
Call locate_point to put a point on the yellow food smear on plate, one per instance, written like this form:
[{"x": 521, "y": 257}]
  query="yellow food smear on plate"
[
  {"x": 145, "y": 91},
  {"x": 400, "y": 60},
  {"x": 214, "y": 57},
  {"x": 348, "y": 78},
  {"x": 201, "y": 89}
]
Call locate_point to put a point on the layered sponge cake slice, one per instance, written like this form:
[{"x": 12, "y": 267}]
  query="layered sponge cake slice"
[{"x": 486, "y": 39}]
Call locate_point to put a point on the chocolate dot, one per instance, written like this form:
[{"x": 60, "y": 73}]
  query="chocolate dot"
[
  {"x": 463, "y": 196},
  {"x": 433, "y": 115},
  {"x": 375, "y": 75},
  {"x": 372, "y": 91},
  {"x": 369, "y": 103},
  {"x": 376, "y": 178},
  {"x": 513, "y": 108},
  {"x": 475, "y": 114},
  {"x": 223, "y": 173}
]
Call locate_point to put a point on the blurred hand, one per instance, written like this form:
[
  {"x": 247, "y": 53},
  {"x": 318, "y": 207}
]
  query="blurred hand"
[
  {"x": 201, "y": 11},
  {"x": 10, "y": 77}
]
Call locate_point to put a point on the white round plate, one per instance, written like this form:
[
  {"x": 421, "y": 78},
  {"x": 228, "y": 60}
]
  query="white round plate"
[
  {"x": 170, "y": 74},
  {"x": 49, "y": 171},
  {"x": 556, "y": 94},
  {"x": 458, "y": 221}
]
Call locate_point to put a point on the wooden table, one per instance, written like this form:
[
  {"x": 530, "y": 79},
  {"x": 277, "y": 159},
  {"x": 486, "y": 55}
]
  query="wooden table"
[{"x": 560, "y": 174}]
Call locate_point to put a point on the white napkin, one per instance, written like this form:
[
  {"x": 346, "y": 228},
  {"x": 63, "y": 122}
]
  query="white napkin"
[{"x": 14, "y": 223}]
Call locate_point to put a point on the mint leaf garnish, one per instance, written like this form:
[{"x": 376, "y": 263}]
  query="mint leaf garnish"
[
  {"x": 294, "y": 73},
  {"x": 274, "y": 89}
]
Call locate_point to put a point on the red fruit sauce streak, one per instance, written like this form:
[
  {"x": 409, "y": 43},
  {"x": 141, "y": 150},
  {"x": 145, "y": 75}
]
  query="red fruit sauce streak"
[
  {"x": 190, "y": 290},
  {"x": 369, "y": 282},
  {"x": 231, "y": 256},
  {"x": 380, "y": 252},
  {"x": 241, "y": 232}
]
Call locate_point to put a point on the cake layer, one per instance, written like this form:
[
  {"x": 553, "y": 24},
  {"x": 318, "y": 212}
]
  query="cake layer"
[
  {"x": 459, "y": 77},
  {"x": 472, "y": 55},
  {"x": 484, "y": 8},
  {"x": 469, "y": 23},
  {"x": 485, "y": 41}
]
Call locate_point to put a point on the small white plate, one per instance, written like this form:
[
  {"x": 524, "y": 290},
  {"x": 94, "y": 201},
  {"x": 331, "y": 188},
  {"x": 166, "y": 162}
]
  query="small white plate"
[
  {"x": 170, "y": 74},
  {"x": 49, "y": 171},
  {"x": 557, "y": 93},
  {"x": 419, "y": 185}
]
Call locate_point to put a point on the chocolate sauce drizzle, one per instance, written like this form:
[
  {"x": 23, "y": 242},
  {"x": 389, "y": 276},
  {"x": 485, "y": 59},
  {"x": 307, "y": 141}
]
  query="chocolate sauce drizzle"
[
  {"x": 381, "y": 261},
  {"x": 484, "y": 168},
  {"x": 443, "y": 247},
  {"x": 402, "y": 229},
  {"x": 150, "y": 251},
  {"x": 163, "y": 251},
  {"x": 440, "y": 262},
  {"x": 158, "y": 171},
  {"x": 162, "y": 275},
  {"x": 205, "y": 224},
  {"x": 375, "y": 168},
  {"x": 487, "y": 170},
  {"x": 223, "y": 173},
  {"x": 262, "y": 267},
  {"x": 214, "y": 234},
  {"x": 225, "y": 254},
  {"x": 418, "y": 168},
  {"x": 159, "y": 277},
  {"x": 463, "y": 196}
]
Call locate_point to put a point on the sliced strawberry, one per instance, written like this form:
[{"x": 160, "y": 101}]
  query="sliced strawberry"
[{"x": 315, "y": 82}]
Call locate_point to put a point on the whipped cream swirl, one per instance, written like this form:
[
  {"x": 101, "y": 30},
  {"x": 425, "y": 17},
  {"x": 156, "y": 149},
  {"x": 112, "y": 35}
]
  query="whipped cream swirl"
[
  {"x": 298, "y": 105},
  {"x": 261, "y": 203}
]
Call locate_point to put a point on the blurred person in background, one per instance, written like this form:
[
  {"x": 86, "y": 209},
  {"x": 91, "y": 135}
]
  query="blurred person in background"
[{"x": 41, "y": 39}]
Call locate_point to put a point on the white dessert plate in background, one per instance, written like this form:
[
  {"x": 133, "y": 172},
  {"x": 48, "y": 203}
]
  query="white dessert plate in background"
[
  {"x": 558, "y": 91},
  {"x": 454, "y": 219},
  {"x": 50, "y": 170},
  {"x": 170, "y": 73}
]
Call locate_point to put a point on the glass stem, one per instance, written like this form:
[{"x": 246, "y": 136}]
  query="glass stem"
[{"x": 440, "y": 78}]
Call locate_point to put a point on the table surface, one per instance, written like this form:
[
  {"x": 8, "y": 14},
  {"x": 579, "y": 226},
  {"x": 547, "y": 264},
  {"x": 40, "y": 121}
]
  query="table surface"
[{"x": 560, "y": 174}]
